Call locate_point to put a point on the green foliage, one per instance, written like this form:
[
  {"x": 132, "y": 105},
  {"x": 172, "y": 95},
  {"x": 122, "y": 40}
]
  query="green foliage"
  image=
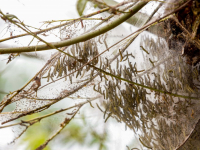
[
  {"x": 80, "y": 6},
  {"x": 34, "y": 137},
  {"x": 80, "y": 132}
]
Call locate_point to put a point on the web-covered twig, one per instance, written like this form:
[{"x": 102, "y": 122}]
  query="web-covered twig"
[{"x": 58, "y": 26}]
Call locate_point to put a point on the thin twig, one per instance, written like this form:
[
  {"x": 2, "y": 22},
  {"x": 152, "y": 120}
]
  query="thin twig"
[
  {"x": 50, "y": 114},
  {"x": 80, "y": 38},
  {"x": 58, "y": 26},
  {"x": 47, "y": 105},
  {"x": 62, "y": 126},
  {"x": 188, "y": 137}
]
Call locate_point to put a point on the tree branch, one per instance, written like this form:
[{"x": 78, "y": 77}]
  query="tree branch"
[{"x": 78, "y": 39}]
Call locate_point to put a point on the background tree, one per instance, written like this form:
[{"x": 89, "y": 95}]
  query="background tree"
[{"x": 158, "y": 97}]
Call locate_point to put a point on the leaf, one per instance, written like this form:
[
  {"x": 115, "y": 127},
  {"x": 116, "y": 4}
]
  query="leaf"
[
  {"x": 80, "y": 6},
  {"x": 10, "y": 16}
]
